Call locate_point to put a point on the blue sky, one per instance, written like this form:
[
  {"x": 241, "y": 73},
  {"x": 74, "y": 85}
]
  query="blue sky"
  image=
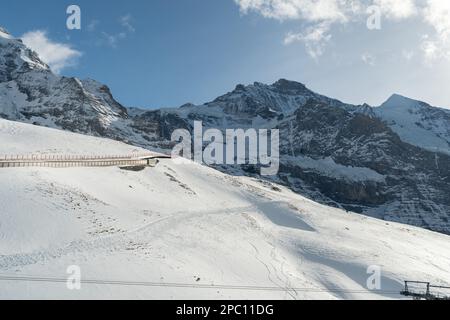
[{"x": 163, "y": 53}]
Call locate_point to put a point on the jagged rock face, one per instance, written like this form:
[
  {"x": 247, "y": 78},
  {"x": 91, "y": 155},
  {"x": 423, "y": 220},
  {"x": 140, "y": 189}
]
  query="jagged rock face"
[
  {"x": 16, "y": 58},
  {"x": 267, "y": 101},
  {"x": 414, "y": 182},
  {"x": 391, "y": 162},
  {"x": 30, "y": 92},
  {"x": 341, "y": 155},
  {"x": 159, "y": 124},
  {"x": 338, "y": 154}
]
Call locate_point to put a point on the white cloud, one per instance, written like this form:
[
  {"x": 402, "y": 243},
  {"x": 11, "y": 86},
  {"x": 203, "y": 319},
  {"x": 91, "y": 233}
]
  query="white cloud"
[
  {"x": 437, "y": 14},
  {"x": 113, "y": 39},
  {"x": 398, "y": 9},
  {"x": 125, "y": 21},
  {"x": 368, "y": 59},
  {"x": 310, "y": 10},
  {"x": 326, "y": 10},
  {"x": 57, "y": 55},
  {"x": 408, "y": 54},
  {"x": 93, "y": 25},
  {"x": 319, "y": 16},
  {"x": 315, "y": 39},
  {"x": 430, "y": 49}
]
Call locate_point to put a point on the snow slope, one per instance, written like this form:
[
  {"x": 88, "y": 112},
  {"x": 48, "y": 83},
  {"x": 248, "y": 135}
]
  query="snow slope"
[
  {"x": 189, "y": 224},
  {"x": 417, "y": 123}
]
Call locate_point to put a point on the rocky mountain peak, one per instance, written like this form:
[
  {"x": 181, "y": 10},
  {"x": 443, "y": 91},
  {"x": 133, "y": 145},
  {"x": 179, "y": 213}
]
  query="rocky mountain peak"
[
  {"x": 397, "y": 100},
  {"x": 187, "y": 105},
  {"x": 30, "y": 92},
  {"x": 17, "y": 59},
  {"x": 282, "y": 86},
  {"x": 288, "y": 85}
]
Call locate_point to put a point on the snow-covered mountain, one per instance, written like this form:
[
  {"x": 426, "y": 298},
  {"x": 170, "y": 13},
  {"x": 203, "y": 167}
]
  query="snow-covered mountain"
[
  {"x": 30, "y": 92},
  {"x": 225, "y": 237},
  {"x": 417, "y": 123},
  {"x": 390, "y": 162},
  {"x": 353, "y": 157}
]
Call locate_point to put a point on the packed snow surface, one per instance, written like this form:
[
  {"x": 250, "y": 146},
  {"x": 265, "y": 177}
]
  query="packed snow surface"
[{"x": 191, "y": 225}]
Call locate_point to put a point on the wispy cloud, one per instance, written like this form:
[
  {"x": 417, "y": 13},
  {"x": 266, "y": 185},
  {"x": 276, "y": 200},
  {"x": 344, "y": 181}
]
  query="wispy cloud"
[
  {"x": 92, "y": 26},
  {"x": 317, "y": 17},
  {"x": 368, "y": 59},
  {"x": 408, "y": 54},
  {"x": 320, "y": 15},
  {"x": 331, "y": 11},
  {"x": 126, "y": 21},
  {"x": 398, "y": 9},
  {"x": 311, "y": 10},
  {"x": 113, "y": 39},
  {"x": 57, "y": 55},
  {"x": 315, "y": 39},
  {"x": 437, "y": 14}
]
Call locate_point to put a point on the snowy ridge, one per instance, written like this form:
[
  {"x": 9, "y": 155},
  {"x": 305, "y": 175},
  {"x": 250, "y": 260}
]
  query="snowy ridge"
[
  {"x": 417, "y": 123},
  {"x": 282, "y": 97}
]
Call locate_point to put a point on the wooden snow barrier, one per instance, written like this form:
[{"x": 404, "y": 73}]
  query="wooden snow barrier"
[{"x": 67, "y": 161}]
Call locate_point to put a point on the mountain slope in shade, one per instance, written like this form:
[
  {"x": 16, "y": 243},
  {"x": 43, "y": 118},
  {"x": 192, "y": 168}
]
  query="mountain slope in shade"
[
  {"x": 221, "y": 230},
  {"x": 390, "y": 162}
]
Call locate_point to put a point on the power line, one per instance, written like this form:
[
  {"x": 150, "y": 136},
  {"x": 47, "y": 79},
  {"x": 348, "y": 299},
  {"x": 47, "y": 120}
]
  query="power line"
[{"x": 195, "y": 286}]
